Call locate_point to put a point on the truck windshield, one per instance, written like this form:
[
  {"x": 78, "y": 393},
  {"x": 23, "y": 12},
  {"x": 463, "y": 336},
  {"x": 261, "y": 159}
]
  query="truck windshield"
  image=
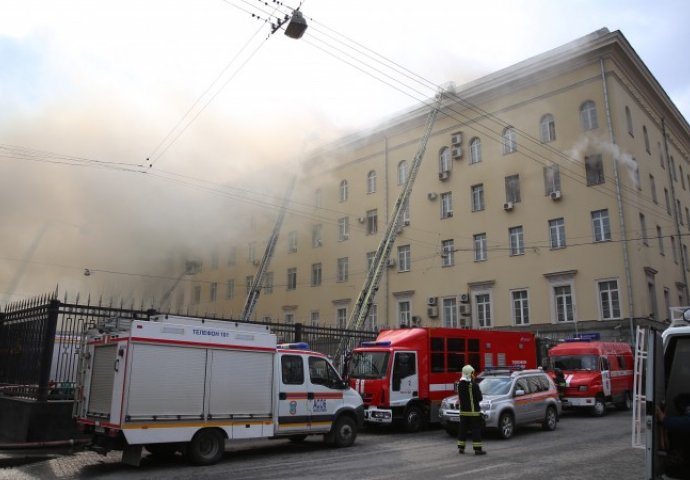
[
  {"x": 368, "y": 365},
  {"x": 494, "y": 385},
  {"x": 575, "y": 362}
]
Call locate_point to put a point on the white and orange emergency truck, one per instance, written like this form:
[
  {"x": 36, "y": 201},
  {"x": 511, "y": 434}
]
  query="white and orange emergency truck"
[
  {"x": 596, "y": 373},
  {"x": 184, "y": 384},
  {"x": 405, "y": 373}
]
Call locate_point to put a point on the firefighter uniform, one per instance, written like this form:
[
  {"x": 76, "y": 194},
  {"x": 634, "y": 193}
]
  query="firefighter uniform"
[{"x": 469, "y": 397}]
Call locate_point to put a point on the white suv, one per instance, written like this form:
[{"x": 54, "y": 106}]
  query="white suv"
[{"x": 510, "y": 398}]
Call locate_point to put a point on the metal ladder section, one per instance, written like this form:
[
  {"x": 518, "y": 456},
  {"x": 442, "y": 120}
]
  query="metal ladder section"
[
  {"x": 257, "y": 283},
  {"x": 380, "y": 261},
  {"x": 639, "y": 430}
]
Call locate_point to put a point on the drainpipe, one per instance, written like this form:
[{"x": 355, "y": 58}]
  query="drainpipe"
[
  {"x": 676, "y": 217},
  {"x": 619, "y": 203}
]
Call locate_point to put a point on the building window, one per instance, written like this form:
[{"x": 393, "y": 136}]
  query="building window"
[
  {"x": 402, "y": 172},
  {"x": 687, "y": 217},
  {"x": 480, "y": 247},
  {"x": 342, "y": 270},
  {"x": 289, "y": 318},
  {"x": 673, "y": 250},
  {"x": 343, "y": 229},
  {"x": 291, "y": 278},
  {"x": 370, "y": 260},
  {"x": 685, "y": 258},
  {"x": 609, "y": 300},
  {"x": 372, "y": 222},
  {"x": 509, "y": 140},
  {"x": 232, "y": 256},
  {"x": 196, "y": 295},
  {"x": 547, "y": 128},
  {"x": 371, "y": 323},
  {"x": 668, "y": 201},
  {"x": 520, "y": 307},
  {"x": 661, "y": 155},
  {"x": 557, "y": 233},
  {"x": 343, "y": 190},
  {"x": 446, "y": 205},
  {"x": 628, "y": 121},
  {"x": 475, "y": 150},
  {"x": 316, "y": 233},
  {"x": 564, "y": 303},
  {"x": 447, "y": 253},
  {"x": 248, "y": 282},
  {"x": 601, "y": 225},
  {"x": 643, "y": 229},
  {"x": 404, "y": 313},
  {"x": 214, "y": 260},
  {"x": 230, "y": 289},
  {"x": 477, "y": 200},
  {"x": 512, "y": 188},
  {"x": 341, "y": 317},
  {"x": 404, "y": 258},
  {"x": 483, "y": 306},
  {"x": 594, "y": 168},
  {"x": 314, "y": 318},
  {"x": 680, "y": 216},
  {"x": 450, "y": 312},
  {"x": 552, "y": 179},
  {"x": 318, "y": 198},
  {"x": 635, "y": 167},
  {"x": 371, "y": 182},
  {"x": 444, "y": 160},
  {"x": 682, "y": 178},
  {"x": 316, "y": 274},
  {"x": 661, "y": 240},
  {"x": 406, "y": 212},
  {"x": 213, "y": 292},
  {"x": 588, "y": 116},
  {"x": 517, "y": 242},
  {"x": 652, "y": 187},
  {"x": 268, "y": 283},
  {"x": 252, "y": 252},
  {"x": 672, "y": 164},
  {"x": 646, "y": 139},
  {"x": 292, "y": 242}
]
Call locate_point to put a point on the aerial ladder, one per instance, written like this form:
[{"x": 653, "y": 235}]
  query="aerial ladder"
[
  {"x": 380, "y": 261},
  {"x": 258, "y": 280}
]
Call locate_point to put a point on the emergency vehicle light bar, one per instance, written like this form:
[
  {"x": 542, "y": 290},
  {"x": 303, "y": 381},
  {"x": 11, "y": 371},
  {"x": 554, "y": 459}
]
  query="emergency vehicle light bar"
[
  {"x": 294, "y": 346},
  {"x": 382, "y": 343}
]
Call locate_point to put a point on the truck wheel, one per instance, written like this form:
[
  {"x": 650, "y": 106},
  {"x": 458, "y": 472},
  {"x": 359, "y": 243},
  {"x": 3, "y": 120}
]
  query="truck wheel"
[
  {"x": 599, "y": 408},
  {"x": 626, "y": 403},
  {"x": 506, "y": 426},
  {"x": 343, "y": 433},
  {"x": 550, "y": 420},
  {"x": 414, "y": 420},
  {"x": 207, "y": 447}
]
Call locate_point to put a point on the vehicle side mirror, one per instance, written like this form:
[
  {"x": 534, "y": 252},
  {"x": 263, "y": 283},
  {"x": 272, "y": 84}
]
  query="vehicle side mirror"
[{"x": 519, "y": 392}]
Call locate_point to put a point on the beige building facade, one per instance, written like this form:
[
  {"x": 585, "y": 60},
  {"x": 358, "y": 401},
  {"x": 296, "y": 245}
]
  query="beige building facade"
[{"x": 554, "y": 196}]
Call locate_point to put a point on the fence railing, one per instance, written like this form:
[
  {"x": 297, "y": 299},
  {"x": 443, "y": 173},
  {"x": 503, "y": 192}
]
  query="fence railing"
[{"x": 40, "y": 341}]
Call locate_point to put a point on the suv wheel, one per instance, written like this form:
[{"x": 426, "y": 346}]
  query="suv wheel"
[
  {"x": 550, "y": 419},
  {"x": 506, "y": 426},
  {"x": 626, "y": 403},
  {"x": 599, "y": 408}
]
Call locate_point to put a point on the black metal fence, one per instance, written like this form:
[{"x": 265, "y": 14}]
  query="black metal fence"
[{"x": 40, "y": 341}]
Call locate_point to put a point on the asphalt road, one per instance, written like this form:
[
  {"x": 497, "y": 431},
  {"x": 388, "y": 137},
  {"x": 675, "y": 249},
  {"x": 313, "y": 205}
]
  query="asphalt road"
[{"x": 582, "y": 447}]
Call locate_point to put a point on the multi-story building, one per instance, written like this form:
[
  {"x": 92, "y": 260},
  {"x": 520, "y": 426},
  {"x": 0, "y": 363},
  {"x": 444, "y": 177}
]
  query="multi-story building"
[{"x": 554, "y": 196}]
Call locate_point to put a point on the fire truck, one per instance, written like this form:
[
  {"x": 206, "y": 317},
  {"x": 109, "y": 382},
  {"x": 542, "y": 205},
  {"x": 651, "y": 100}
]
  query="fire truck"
[
  {"x": 595, "y": 374},
  {"x": 180, "y": 384},
  {"x": 405, "y": 373}
]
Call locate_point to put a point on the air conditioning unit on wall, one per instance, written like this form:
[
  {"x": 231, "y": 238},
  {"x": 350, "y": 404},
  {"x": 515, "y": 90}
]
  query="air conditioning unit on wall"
[
  {"x": 456, "y": 152},
  {"x": 431, "y": 195},
  {"x": 432, "y": 311},
  {"x": 508, "y": 206},
  {"x": 456, "y": 138},
  {"x": 556, "y": 195},
  {"x": 432, "y": 300}
]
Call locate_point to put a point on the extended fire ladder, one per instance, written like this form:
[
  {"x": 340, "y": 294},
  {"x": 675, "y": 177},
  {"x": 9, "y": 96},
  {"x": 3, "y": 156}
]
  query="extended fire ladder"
[
  {"x": 639, "y": 427},
  {"x": 380, "y": 260},
  {"x": 257, "y": 282}
]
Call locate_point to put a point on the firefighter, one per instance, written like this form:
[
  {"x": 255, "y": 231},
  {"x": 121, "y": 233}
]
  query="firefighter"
[
  {"x": 469, "y": 397},
  {"x": 560, "y": 382}
]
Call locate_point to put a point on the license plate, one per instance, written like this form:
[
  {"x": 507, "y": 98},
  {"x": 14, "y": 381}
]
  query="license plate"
[{"x": 100, "y": 430}]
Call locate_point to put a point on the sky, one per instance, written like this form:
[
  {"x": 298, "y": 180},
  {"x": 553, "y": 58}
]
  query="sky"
[{"x": 131, "y": 130}]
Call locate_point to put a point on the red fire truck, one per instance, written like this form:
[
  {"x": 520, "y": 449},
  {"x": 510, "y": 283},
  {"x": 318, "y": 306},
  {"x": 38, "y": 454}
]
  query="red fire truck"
[
  {"x": 595, "y": 373},
  {"x": 405, "y": 373}
]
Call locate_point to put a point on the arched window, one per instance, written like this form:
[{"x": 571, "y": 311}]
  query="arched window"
[
  {"x": 402, "y": 172},
  {"x": 475, "y": 150},
  {"x": 588, "y": 116},
  {"x": 318, "y": 200},
  {"x": 646, "y": 139},
  {"x": 547, "y": 128},
  {"x": 371, "y": 182},
  {"x": 444, "y": 160},
  {"x": 343, "y": 190},
  {"x": 509, "y": 140},
  {"x": 628, "y": 120}
]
